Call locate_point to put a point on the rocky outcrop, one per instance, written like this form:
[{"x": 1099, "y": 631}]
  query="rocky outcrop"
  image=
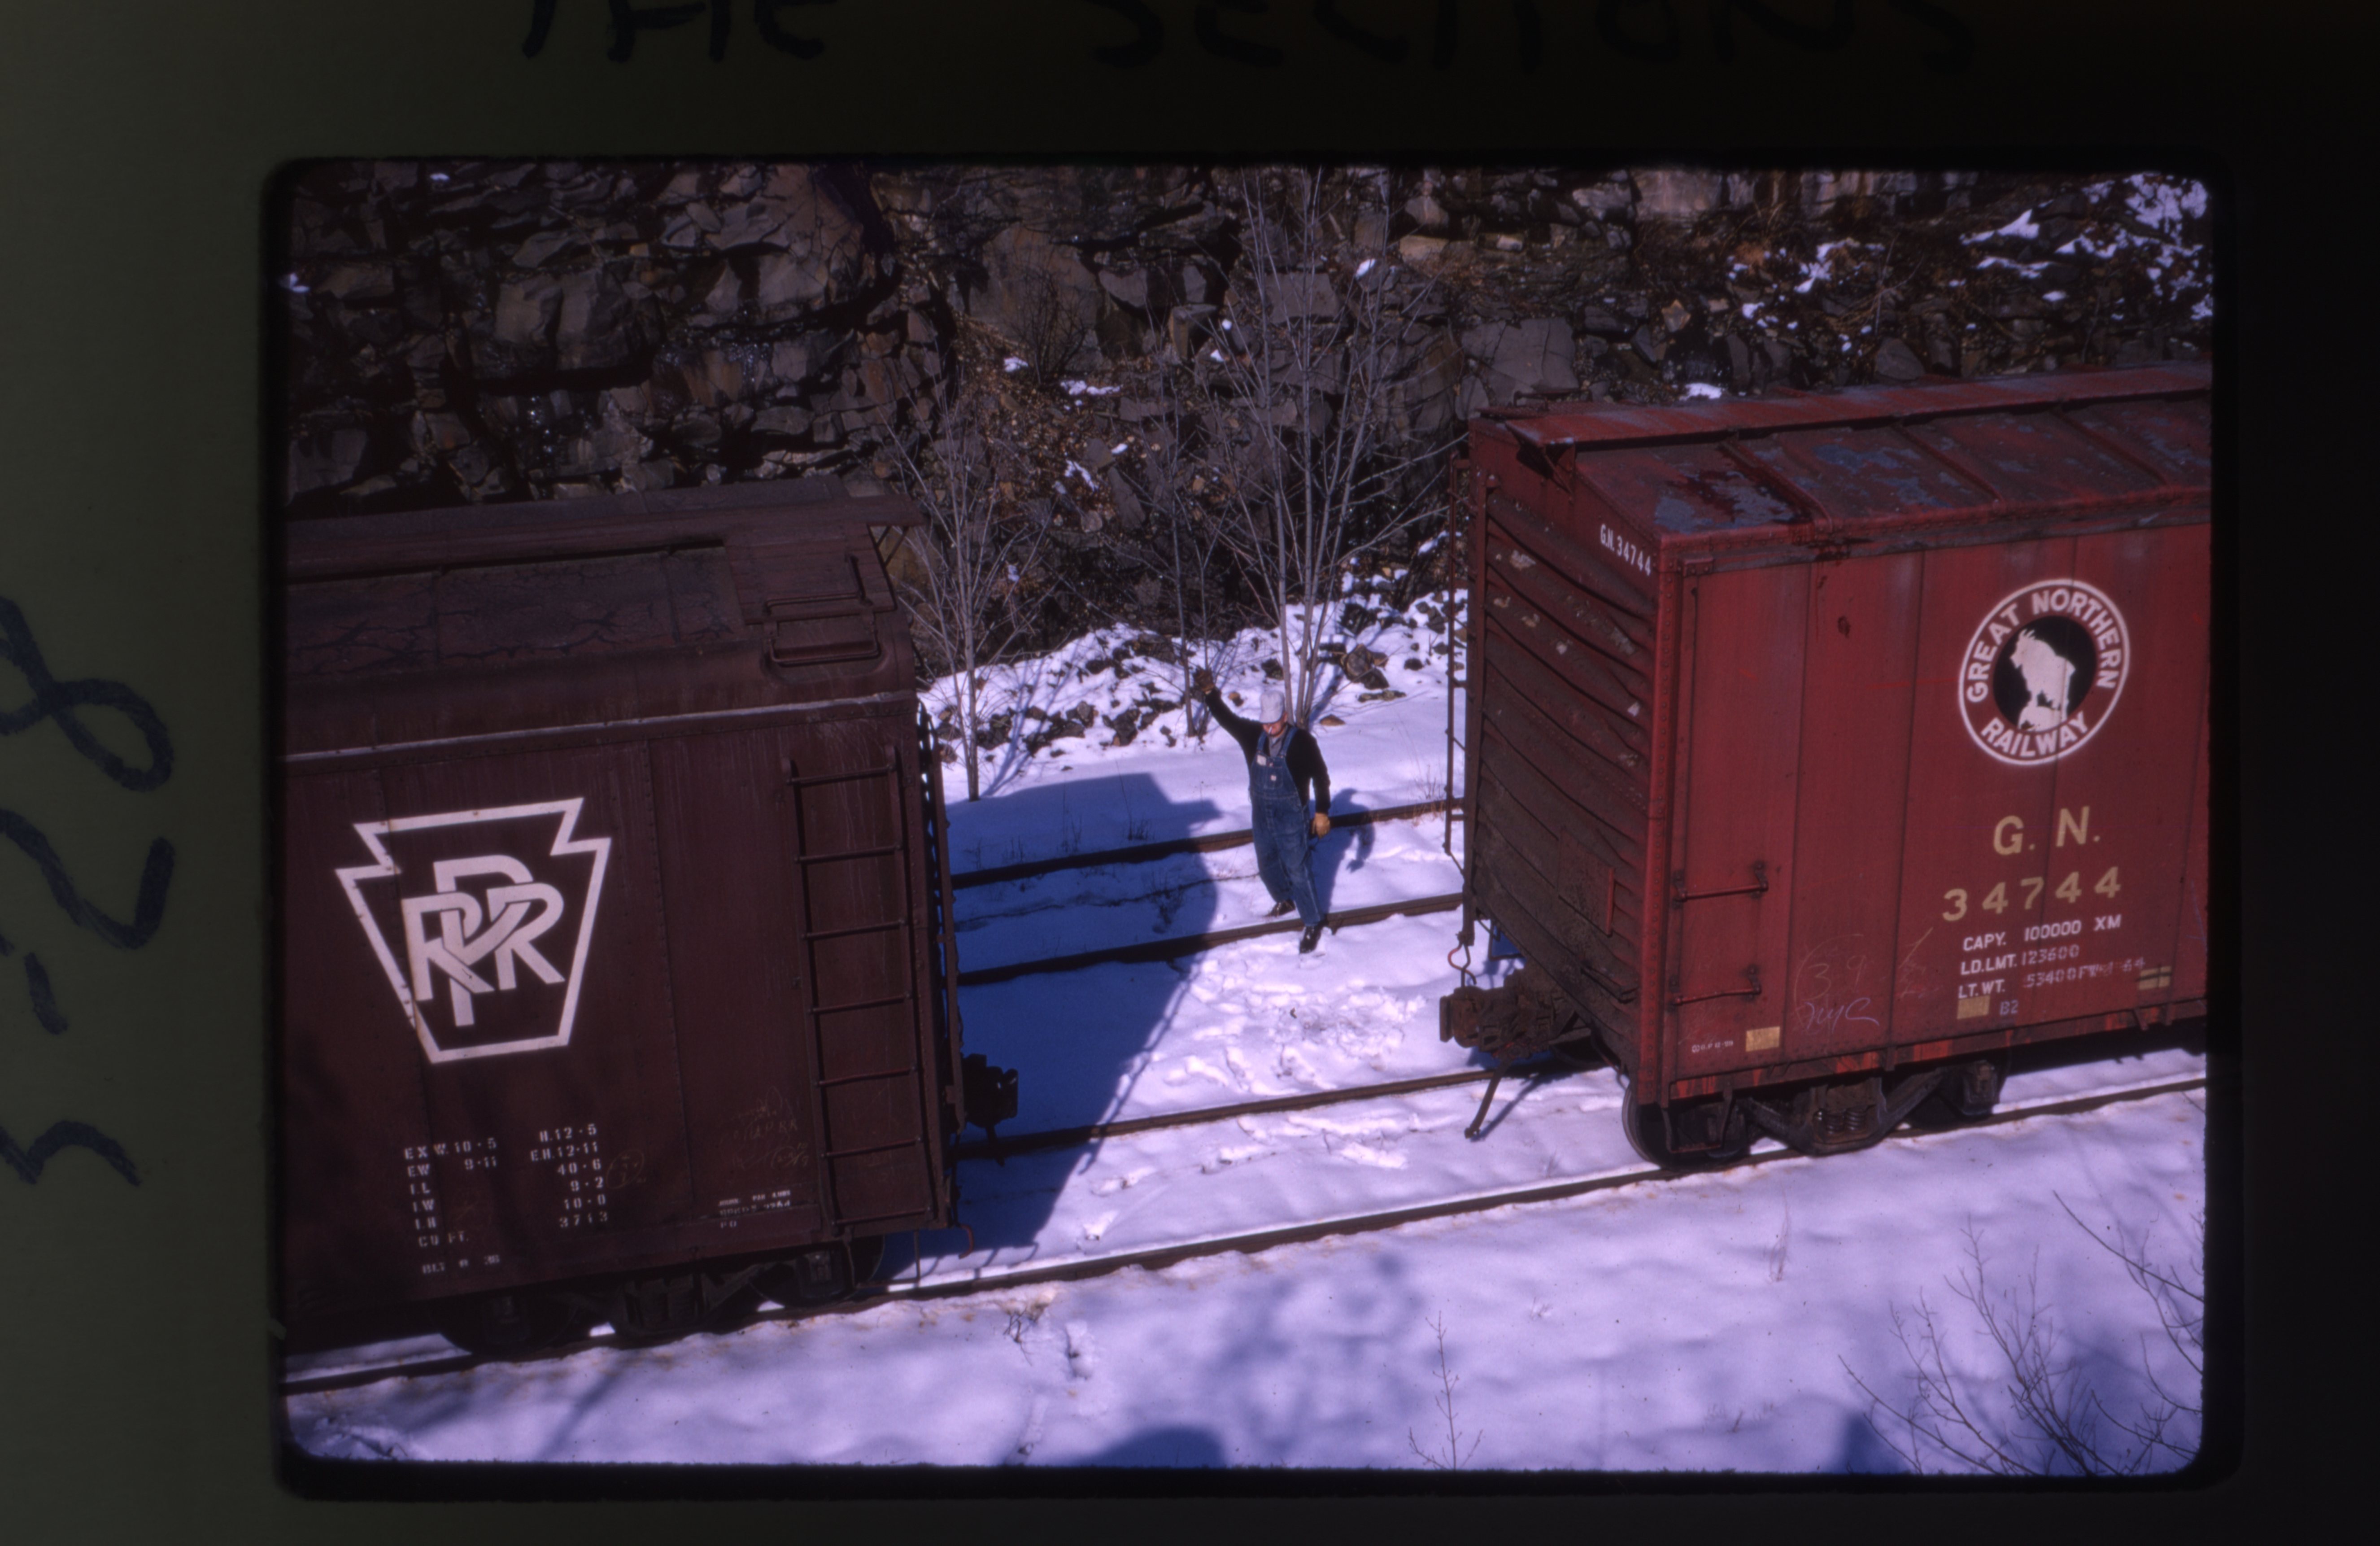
[
  {"x": 461, "y": 331},
  {"x": 473, "y": 331}
]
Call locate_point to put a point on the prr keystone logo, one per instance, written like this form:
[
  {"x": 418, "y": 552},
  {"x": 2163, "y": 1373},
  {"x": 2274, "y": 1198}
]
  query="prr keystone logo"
[
  {"x": 505, "y": 885},
  {"x": 2043, "y": 671}
]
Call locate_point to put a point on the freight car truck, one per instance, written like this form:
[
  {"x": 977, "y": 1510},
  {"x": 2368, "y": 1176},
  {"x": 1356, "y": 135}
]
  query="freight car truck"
[
  {"x": 616, "y": 978},
  {"x": 1820, "y": 748}
]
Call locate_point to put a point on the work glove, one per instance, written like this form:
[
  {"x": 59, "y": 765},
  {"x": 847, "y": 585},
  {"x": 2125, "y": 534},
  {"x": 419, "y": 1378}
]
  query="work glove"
[
  {"x": 1202, "y": 681},
  {"x": 1321, "y": 824}
]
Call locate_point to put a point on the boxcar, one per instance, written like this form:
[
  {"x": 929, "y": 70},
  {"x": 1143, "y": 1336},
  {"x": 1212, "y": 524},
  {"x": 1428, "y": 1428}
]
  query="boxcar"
[
  {"x": 616, "y": 978},
  {"x": 1820, "y": 748}
]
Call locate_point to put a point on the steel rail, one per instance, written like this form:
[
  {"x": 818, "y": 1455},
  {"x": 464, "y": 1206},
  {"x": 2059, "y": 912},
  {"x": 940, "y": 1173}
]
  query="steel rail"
[
  {"x": 1142, "y": 853},
  {"x": 999, "y": 1148},
  {"x": 1249, "y": 1243},
  {"x": 1191, "y": 944}
]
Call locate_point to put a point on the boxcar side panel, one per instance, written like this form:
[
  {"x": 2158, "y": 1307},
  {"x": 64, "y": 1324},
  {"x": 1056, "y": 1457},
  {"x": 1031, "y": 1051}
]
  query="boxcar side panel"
[
  {"x": 353, "y": 1111},
  {"x": 1553, "y": 885},
  {"x": 1561, "y": 755},
  {"x": 1541, "y": 856},
  {"x": 602, "y": 1116},
  {"x": 1557, "y": 734},
  {"x": 728, "y": 863},
  {"x": 2191, "y": 948},
  {"x": 1860, "y": 662},
  {"x": 1975, "y": 823},
  {"x": 1739, "y": 773},
  {"x": 1600, "y": 603},
  {"x": 2110, "y": 874}
]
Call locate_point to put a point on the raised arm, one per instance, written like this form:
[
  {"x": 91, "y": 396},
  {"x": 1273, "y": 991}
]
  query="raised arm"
[{"x": 1241, "y": 730}]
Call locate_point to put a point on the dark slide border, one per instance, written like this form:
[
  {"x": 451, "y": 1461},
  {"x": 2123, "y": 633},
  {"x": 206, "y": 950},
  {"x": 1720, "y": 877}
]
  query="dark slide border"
[{"x": 138, "y": 151}]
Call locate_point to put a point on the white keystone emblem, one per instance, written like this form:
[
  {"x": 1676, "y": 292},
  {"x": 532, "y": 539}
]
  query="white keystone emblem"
[{"x": 481, "y": 941}]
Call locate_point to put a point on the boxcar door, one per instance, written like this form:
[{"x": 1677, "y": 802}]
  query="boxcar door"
[
  {"x": 1741, "y": 731},
  {"x": 1857, "y": 690}
]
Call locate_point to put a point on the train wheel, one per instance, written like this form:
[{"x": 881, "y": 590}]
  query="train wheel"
[
  {"x": 646, "y": 1312},
  {"x": 1967, "y": 1092},
  {"x": 1643, "y": 1126},
  {"x": 509, "y": 1323},
  {"x": 650, "y": 1310},
  {"x": 1937, "y": 1113}
]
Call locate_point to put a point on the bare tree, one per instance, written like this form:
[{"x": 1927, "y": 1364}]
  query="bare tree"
[
  {"x": 1309, "y": 430},
  {"x": 1048, "y": 325},
  {"x": 2039, "y": 1415},
  {"x": 971, "y": 560},
  {"x": 1185, "y": 541}
]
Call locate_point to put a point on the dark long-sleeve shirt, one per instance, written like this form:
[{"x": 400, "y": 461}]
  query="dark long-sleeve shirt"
[{"x": 1305, "y": 763}]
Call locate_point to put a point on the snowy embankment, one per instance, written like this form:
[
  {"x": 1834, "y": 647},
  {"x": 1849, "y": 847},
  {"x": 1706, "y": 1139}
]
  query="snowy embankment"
[{"x": 1710, "y": 1322}]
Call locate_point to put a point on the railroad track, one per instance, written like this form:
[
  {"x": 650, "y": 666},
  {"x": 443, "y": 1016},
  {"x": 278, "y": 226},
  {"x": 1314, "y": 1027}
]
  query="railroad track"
[
  {"x": 1191, "y": 944},
  {"x": 1142, "y": 853},
  {"x": 956, "y": 1283},
  {"x": 1187, "y": 945},
  {"x": 1071, "y": 1137}
]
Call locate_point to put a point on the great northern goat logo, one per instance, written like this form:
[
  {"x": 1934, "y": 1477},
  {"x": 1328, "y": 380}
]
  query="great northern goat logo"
[
  {"x": 468, "y": 932},
  {"x": 2043, "y": 671}
]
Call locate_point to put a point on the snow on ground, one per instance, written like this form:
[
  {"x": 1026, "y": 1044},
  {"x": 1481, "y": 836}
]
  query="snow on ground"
[
  {"x": 1082, "y": 794},
  {"x": 1710, "y": 1323},
  {"x": 1239, "y": 1023},
  {"x": 1188, "y": 894},
  {"x": 1707, "y": 1324}
]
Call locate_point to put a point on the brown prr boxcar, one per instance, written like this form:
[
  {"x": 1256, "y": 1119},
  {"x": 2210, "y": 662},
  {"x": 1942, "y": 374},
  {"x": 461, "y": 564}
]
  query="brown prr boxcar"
[
  {"x": 1821, "y": 749},
  {"x": 615, "y": 975}
]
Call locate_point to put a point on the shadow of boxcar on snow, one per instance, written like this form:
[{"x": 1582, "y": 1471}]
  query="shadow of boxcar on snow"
[{"x": 1078, "y": 1037}]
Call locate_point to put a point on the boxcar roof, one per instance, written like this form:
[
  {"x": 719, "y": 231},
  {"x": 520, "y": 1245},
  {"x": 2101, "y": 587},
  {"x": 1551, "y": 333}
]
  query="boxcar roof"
[
  {"x": 430, "y": 625},
  {"x": 1870, "y": 452},
  {"x": 559, "y": 528}
]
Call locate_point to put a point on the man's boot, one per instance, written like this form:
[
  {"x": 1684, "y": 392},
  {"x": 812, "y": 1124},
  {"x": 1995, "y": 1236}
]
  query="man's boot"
[
  {"x": 1282, "y": 906},
  {"x": 1312, "y": 937}
]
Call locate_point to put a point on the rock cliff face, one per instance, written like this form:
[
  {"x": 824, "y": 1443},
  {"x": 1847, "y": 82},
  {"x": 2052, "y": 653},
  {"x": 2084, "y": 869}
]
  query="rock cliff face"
[{"x": 460, "y": 331}]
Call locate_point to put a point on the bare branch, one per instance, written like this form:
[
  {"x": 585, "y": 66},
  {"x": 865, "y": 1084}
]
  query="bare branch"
[
  {"x": 1455, "y": 1453},
  {"x": 972, "y": 559},
  {"x": 1301, "y": 384},
  {"x": 2049, "y": 1420}
]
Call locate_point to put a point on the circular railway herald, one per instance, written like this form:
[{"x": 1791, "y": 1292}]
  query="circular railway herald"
[{"x": 2044, "y": 671}]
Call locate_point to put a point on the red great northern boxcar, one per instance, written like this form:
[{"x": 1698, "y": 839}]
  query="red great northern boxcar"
[
  {"x": 1821, "y": 749},
  {"x": 616, "y": 978}
]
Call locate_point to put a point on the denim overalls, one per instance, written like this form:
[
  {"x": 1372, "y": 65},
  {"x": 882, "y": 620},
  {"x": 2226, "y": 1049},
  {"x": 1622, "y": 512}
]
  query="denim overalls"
[{"x": 1280, "y": 823}]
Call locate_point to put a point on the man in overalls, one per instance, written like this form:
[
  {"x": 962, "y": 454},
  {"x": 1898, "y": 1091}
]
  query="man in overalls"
[{"x": 1284, "y": 767}]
